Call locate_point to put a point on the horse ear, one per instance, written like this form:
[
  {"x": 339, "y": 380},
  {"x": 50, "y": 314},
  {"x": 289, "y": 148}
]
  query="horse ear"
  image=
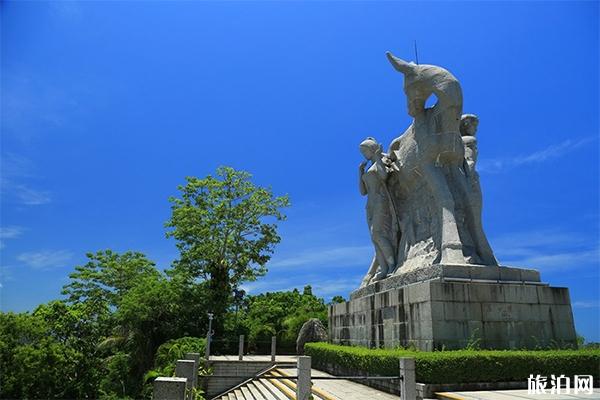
[{"x": 399, "y": 64}]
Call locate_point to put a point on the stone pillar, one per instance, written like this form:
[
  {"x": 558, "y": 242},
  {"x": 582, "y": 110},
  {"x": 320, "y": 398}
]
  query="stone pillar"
[
  {"x": 408, "y": 383},
  {"x": 169, "y": 388},
  {"x": 186, "y": 369},
  {"x": 196, "y": 358},
  {"x": 241, "y": 348},
  {"x": 303, "y": 389},
  {"x": 273, "y": 348}
]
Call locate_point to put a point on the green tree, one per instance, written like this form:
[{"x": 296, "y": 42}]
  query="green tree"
[
  {"x": 50, "y": 353},
  {"x": 106, "y": 277},
  {"x": 142, "y": 309},
  {"x": 281, "y": 314},
  {"x": 221, "y": 229}
]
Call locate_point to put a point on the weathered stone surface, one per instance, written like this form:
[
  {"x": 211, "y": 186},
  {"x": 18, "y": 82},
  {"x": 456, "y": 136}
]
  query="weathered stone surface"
[
  {"x": 444, "y": 314},
  {"x": 424, "y": 198},
  {"x": 312, "y": 331},
  {"x": 187, "y": 369},
  {"x": 169, "y": 388},
  {"x": 434, "y": 281},
  {"x": 448, "y": 272}
]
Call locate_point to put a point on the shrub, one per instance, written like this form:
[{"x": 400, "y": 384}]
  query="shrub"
[
  {"x": 461, "y": 366},
  {"x": 169, "y": 352}
]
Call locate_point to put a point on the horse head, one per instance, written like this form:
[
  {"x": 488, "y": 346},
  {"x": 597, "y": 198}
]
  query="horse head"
[{"x": 421, "y": 81}]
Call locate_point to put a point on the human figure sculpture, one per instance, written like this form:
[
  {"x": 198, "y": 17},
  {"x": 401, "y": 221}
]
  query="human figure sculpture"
[
  {"x": 428, "y": 183},
  {"x": 468, "y": 129},
  {"x": 381, "y": 215}
]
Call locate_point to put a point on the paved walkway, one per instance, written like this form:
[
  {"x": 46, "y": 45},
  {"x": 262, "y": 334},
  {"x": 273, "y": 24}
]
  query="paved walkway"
[
  {"x": 345, "y": 390},
  {"x": 515, "y": 394}
]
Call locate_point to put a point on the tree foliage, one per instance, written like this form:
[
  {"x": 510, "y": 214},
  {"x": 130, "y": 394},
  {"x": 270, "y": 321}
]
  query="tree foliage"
[
  {"x": 222, "y": 231},
  {"x": 122, "y": 321},
  {"x": 281, "y": 314}
]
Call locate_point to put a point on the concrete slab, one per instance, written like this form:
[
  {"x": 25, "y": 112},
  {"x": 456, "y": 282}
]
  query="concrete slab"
[{"x": 345, "y": 390}]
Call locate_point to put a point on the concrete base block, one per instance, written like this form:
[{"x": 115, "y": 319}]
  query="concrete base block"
[
  {"x": 169, "y": 388},
  {"x": 444, "y": 313}
]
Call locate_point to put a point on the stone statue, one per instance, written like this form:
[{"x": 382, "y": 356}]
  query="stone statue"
[
  {"x": 468, "y": 130},
  {"x": 381, "y": 216},
  {"x": 427, "y": 207}
]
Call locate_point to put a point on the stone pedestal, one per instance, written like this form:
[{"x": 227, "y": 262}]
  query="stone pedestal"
[{"x": 458, "y": 305}]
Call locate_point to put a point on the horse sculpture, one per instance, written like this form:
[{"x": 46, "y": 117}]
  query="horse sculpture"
[{"x": 438, "y": 218}]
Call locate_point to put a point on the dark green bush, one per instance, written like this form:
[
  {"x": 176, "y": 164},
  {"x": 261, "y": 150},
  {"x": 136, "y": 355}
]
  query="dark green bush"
[
  {"x": 459, "y": 366},
  {"x": 169, "y": 352}
]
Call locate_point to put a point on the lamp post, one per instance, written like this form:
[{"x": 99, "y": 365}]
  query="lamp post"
[
  {"x": 209, "y": 335},
  {"x": 238, "y": 296}
]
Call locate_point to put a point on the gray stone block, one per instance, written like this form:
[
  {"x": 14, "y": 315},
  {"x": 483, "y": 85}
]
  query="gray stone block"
[
  {"x": 499, "y": 311},
  {"x": 553, "y": 295},
  {"x": 417, "y": 293},
  {"x": 510, "y": 274},
  {"x": 456, "y": 271},
  {"x": 169, "y": 388},
  {"x": 562, "y": 313},
  {"x": 443, "y": 314},
  {"x": 449, "y": 291},
  {"x": 530, "y": 275},
  {"x": 462, "y": 311},
  {"x": 487, "y": 273},
  {"x": 520, "y": 294},
  {"x": 484, "y": 292}
]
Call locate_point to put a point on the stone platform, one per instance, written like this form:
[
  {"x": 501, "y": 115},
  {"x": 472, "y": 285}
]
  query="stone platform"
[{"x": 497, "y": 307}]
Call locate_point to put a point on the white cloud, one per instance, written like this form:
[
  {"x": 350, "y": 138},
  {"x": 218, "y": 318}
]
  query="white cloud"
[
  {"x": 321, "y": 287},
  {"x": 10, "y": 232},
  {"x": 548, "y": 249},
  {"x": 562, "y": 260},
  {"x": 45, "y": 259},
  {"x": 327, "y": 257},
  {"x": 16, "y": 170},
  {"x": 550, "y": 152},
  {"x": 586, "y": 304},
  {"x": 27, "y": 195},
  {"x": 5, "y": 274}
]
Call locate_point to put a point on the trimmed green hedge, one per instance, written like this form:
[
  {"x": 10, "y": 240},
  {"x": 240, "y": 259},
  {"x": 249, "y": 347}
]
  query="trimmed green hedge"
[{"x": 461, "y": 366}]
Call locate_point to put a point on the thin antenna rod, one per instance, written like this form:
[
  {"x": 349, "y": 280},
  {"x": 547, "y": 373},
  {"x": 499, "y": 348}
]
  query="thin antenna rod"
[{"x": 416, "y": 54}]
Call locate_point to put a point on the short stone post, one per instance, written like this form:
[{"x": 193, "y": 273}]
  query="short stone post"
[
  {"x": 303, "y": 389},
  {"x": 196, "y": 358},
  {"x": 408, "y": 380},
  {"x": 273, "y": 347},
  {"x": 241, "y": 348},
  {"x": 169, "y": 388},
  {"x": 186, "y": 369}
]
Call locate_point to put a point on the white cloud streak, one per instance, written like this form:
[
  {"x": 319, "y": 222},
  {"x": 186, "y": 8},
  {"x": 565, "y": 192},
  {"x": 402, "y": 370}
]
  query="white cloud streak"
[
  {"x": 328, "y": 257},
  {"x": 11, "y": 232},
  {"x": 547, "y": 250},
  {"x": 16, "y": 170},
  {"x": 45, "y": 259},
  {"x": 326, "y": 288},
  {"x": 586, "y": 304},
  {"x": 551, "y": 152}
]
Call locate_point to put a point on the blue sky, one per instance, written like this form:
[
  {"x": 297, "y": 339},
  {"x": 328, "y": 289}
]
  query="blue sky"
[{"x": 107, "y": 106}]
